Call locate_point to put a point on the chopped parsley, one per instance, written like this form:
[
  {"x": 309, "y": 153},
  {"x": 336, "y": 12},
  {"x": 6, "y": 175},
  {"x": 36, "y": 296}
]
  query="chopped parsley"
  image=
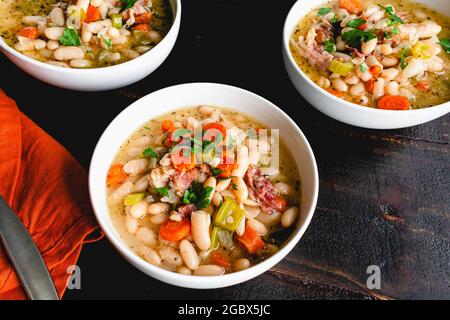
[
  {"x": 363, "y": 67},
  {"x": 387, "y": 35},
  {"x": 69, "y": 38},
  {"x": 107, "y": 42},
  {"x": 355, "y": 37},
  {"x": 395, "y": 30},
  {"x": 445, "y": 43},
  {"x": 393, "y": 19},
  {"x": 323, "y": 11},
  {"x": 329, "y": 46},
  {"x": 163, "y": 191},
  {"x": 127, "y": 4},
  {"x": 234, "y": 186},
  {"x": 198, "y": 195},
  {"x": 403, "y": 64},
  {"x": 149, "y": 152},
  {"x": 216, "y": 171},
  {"x": 356, "y": 23}
]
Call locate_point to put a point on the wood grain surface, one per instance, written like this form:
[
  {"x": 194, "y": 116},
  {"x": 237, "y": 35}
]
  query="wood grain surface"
[{"x": 384, "y": 195}]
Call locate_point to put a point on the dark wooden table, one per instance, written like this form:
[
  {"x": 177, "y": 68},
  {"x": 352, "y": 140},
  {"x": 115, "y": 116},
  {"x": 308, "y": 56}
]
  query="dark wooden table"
[{"x": 384, "y": 195}]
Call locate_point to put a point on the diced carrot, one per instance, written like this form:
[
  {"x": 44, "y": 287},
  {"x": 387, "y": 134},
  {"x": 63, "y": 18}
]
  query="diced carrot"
[
  {"x": 143, "y": 18},
  {"x": 423, "y": 85},
  {"x": 336, "y": 93},
  {"x": 363, "y": 26},
  {"x": 227, "y": 165},
  {"x": 92, "y": 14},
  {"x": 369, "y": 85},
  {"x": 29, "y": 32},
  {"x": 142, "y": 27},
  {"x": 175, "y": 230},
  {"x": 212, "y": 130},
  {"x": 279, "y": 204},
  {"x": 375, "y": 70},
  {"x": 116, "y": 175},
  {"x": 181, "y": 161},
  {"x": 352, "y": 6},
  {"x": 251, "y": 240},
  {"x": 167, "y": 125},
  {"x": 389, "y": 102},
  {"x": 220, "y": 260}
]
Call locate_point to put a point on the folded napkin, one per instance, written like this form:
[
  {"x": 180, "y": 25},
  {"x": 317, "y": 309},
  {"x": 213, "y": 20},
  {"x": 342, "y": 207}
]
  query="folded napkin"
[{"x": 47, "y": 188}]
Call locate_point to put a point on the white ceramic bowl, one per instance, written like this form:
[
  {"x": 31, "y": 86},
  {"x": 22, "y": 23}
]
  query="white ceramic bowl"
[
  {"x": 340, "y": 109},
  {"x": 185, "y": 95},
  {"x": 98, "y": 79}
]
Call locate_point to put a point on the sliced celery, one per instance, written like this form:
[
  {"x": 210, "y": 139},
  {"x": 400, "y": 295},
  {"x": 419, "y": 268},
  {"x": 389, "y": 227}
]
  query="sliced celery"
[
  {"x": 340, "y": 68},
  {"x": 229, "y": 215},
  {"x": 133, "y": 199}
]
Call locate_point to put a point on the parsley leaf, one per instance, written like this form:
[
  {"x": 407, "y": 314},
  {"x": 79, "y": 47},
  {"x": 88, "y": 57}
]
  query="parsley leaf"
[
  {"x": 329, "y": 46},
  {"x": 395, "y": 30},
  {"x": 393, "y": 19},
  {"x": 163, "y": 191},
  {"x": 127, "y": 4},
  {"x": 234, "y": 186},
  {"x": 198, "y": 195},
  {"x": 204, "y": 199},
  {"x": 69, "y": 38},
  {"x": 216, "y": 171},
  {"x": 445, "y": 43},
  {"x": 356, "y": 23},
  {"x": 355, "y": 37},
  {"x": 387, "y": 35},
  {"x": 149, "y": 152},
  {"x": 402, "y": 60},
  {"x": 323, "y": 11},
  {"x": 108, "y": 42}
]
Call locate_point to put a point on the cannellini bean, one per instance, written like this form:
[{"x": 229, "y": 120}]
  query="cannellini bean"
[
  {"x": 211, "y": 182},
  {"x": 378, "y": 88},
  {"x": 158, "y": 208},
  {"x": 96, "y": 3},
  {"x": 54, "y": 33},
  {"x": 86, "y": 35},
  {"x": 241, "y": 264},
  {"x": 358, "y": 61},
  {"x": 113, "y": 57},
  {"x": 324, "y": 82},
  {"x": 242, "y": 162},
  {"x": 363, "y": 100},
  {"x": 68, "y": 53},
  {"x": 142, "y": 184},
  {"x": 141, "y": 49},
  {"x": 80, "y": 63},
  {"x": 58, "y": 64},
  {"x": 223, "y": 184},
  {"x": 150, "y": 255},
  {"x": 251, "y": 212},
  {"x": 414, "y": 68},
  {"x": 209, "y": 270},
  {"x": 340, "y": 44},
  {"x": 39, "y": 44},
  {"x": 386, "y": 49},
  {"x": 113, "y": 32},
  {"x": 372, "y": 61},
  {"x": 46, "y": 53},
  {"x": 52, "y": 44},
  {"x": 283, "y": 188},
  {"x": 389, "y": 61},
  {"x": 241, "y": 227},
  {"x": 184, "y": 270},
  {"x": 57, "y": 17},
  {"x": 147, "y": 236},
  {"x": 139, "y": 210},
  {"x": 130, "y": 54},
  {"x": 228, "y": 194},
  {"x": 270, "y": 171},
  {"x": 339, "y": 85},
  {"x": 371, "y": 9},
  {"x": 392, "y": 88},
  {"x": 83, "y": 4},
  {"x": 170, "y": 256},
  {"x": 364, "y": 76},
  {"x": 428, "y": 29},
  {"x": 135, "y": 167},
  {"x": 206, "y": 110},
  {"x": 368, "y": 46},
  {"x": 93, "y": 27},
  {"x": 357, "y": 90},
  {"x": 189, "y": 255},
  {"x": 434, "y": 64},
  {"x": 269, "y": 219},
  {"x": 131, "y": 224},
  {"x": 239, "y": 188},
  {"x": 200, "y": 222},
  {"x": 258, "y": 226},
  {"x": 121, "y": 192},
  {"x": 217, "y": 199},
  {"x": 288, "y": 217},
  {"x": 351, "y": 79},
  {"x": 389, "y": 74},
  {"x": 376, "y": 16},
  {"x": 159, "y": 218},
  {"x": 33, "y": 19}
]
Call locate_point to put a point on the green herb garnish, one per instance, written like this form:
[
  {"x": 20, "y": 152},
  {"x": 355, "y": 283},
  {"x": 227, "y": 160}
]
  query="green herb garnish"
[
  {"x": 329, "y": 46},
  {"x": 355, "y": 37},
  {"x": 234, "y": 186},
  {"x": 445, "y": 43},
  {"x": 363, "y": 67},
  {"x": 402, "y": 60},
  {"x": 393, "y": 19},
  {"x": 198, "y": 195},
  {"x": 356, "y": 23},
  {"x": 163, "y": 191},
  {"x": 127, "y": 4},
  {"x": 69, "y": 38},
  {"x": 323, "y": 11},
  {"x": 107, "y": 42},
  {"x": 149, "y": 152},
  {"x": 387, "y": 35},
  {"x": 395, "y": 30},
  {"x": 216, "y": 171}
]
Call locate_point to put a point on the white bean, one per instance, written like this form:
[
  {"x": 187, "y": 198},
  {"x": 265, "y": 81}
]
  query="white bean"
[
  {"x": 39, "y": 44},
  {"x": 189, "y": 255},
  {"x": 339, "y": 85},
  {"x": 389, "y": 74},
  {"x": 288, "y": 217},
  {"x": 372, "y": 61},
  {"x": 386, "y": 49},
  {"x": 257, "y": 226},
  {"x": 184, "y": 270},
  {"x": 158, "y": 208},
  {"x": 33, "y": 19},
  {"x": 154, "y": 36},
  {"x": 83, "y": 4},
  {"x": 242, "y": 162},
  {"x": 147, "y": 236},
  {"x": 86, "y": 35},
  {"x": 131, "y": 224},
  {"x": 80, "y": 63},
  {"x": 170, "y": 256},
  {"x": 142, "y": 184},
  {"x": 368, "y": 46},
  {"x": 241, "y": 227},
  {"x": 251, "y": 212},
  {"x": 340, "y": 44},
  {"x": 241, "y": 264},
  {"x": 389, "y": 61},
  {"x": 52, "y": 44},
  {"x": 113, "y": 32},
  {"x": 68, "y": 53},
  {"x": 283, "y": 188},
  {"x": 209, "y": 270},
  {"x": 159, "y": 218},
  {"x": 150, "y": 255},
  {"x": 269, "y": 219},
  {"x": 376, "y": 16},
  {"x": 93, "y": 27},
  {"x": 96, "y": 3},
  {"x": 414, "y": 68},
  {"x": 206, "y": 110},
  {"x": 223, "y": 184},
  {"x": 200, "y": 222},
  {"x": 58, "y": 64},
  {"x": 351, "y": 79},
  {"x": 121, "y": 192},
  {"x": 139, "y": 210},
  {"x": 392, "y": 88},
  {"x": 324, "y": 82},
  {"x": 57, "y": 17},
  {"x": 211, "y": 182},
  {"x": 217, "y": 199},
  {"x": 239, "y": 188},
  {"x": 357, "y": 90},
  {"x": 135, "y": 167},
  {"x": 54, "y": 33},
  {"x": 378, "y": 88},
  {"x": 114, "y": 57}
]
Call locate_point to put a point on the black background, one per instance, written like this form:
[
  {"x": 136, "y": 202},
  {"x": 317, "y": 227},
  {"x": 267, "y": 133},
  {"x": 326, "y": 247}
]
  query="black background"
[{"x": 365, "y": 174}]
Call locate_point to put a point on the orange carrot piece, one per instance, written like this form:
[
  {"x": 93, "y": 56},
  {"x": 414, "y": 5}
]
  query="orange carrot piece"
[
  {"x": 116, "y": 175},
  {"x": 167, "y": 125},
  {"x": 142, "y": 27},
  {"x": 389, "y": 102},
  {"x": 369, "y": 85},
  {"x": 29, "y": 32},
  {"x": 336, "y": 93},
  {"x": 92, "y": 14},
  {"x": 175, "y": 230},
  {"x": 352, "y": 6},
  {"x": 251, "y": 240},
  {"x": 143, "y": 18},
  {"x": 220, "y": 260},
  {"x": 423, "y": 85},
  {"x": 375, "y": 70}
]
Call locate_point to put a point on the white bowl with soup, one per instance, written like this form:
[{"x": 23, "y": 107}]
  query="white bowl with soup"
[
  {"x": 238, "y": 203},
  {"x": 373, "y": 64},
  {"x": 89, "y": 45}
]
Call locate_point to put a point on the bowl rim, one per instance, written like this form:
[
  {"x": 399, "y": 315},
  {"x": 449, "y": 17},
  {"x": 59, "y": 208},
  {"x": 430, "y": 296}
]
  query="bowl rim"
[
  {"x": 192, "y": 281},
  {"x": 176, "y": 20},
  {"x": 286, "y": 48}
]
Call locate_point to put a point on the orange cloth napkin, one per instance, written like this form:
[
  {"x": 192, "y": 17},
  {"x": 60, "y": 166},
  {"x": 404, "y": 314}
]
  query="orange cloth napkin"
[{"x": 47, "y": 188}]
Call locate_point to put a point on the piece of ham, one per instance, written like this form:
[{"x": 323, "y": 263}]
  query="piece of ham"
[
  {"x": 263, "y": 191},
  {"x": 182, "y": 180},
  {"x": 186, "y": 209}
]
